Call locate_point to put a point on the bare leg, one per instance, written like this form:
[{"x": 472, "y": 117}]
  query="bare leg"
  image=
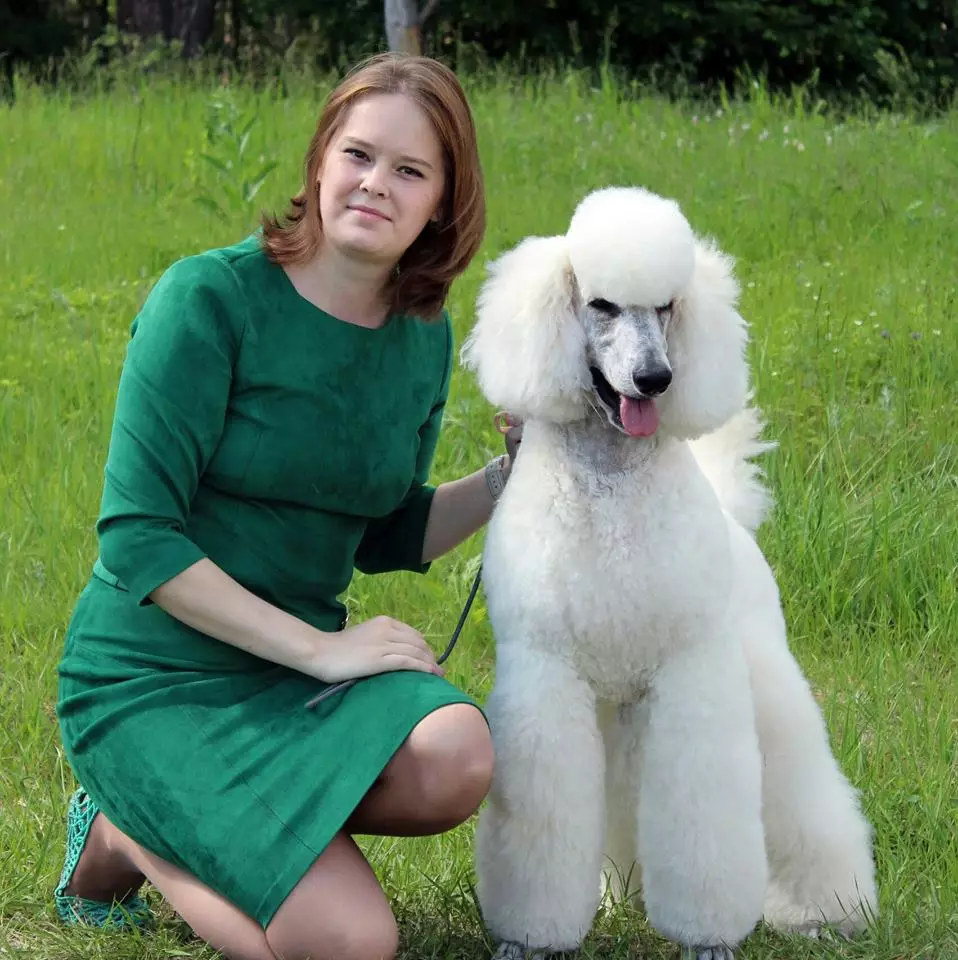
[
  {"x": 104, "y": 872},
  {"x": 436, "y": 780},
  {"x": 211, "y": 917},
  {"x": 336, "y": 912}
]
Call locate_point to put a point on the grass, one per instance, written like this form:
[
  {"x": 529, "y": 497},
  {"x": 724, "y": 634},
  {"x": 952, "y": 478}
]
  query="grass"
[{"x": 844, "y": 233}]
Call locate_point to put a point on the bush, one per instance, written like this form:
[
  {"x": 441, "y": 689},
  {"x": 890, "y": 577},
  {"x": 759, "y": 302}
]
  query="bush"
[
  {"x": 883, "y": 50},
  {"x": 877, "y": 48}
]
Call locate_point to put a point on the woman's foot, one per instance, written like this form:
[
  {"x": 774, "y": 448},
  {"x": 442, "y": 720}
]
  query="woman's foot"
[{"x": 98, "y": 885}]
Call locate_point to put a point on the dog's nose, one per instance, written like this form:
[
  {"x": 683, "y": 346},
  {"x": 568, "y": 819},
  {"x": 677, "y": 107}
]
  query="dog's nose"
[{"x": 652, "y": 382}]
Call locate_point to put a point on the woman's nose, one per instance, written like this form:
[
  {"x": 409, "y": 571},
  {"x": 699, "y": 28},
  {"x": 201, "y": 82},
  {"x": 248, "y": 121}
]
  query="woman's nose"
[{"x": 375, "y": 181}]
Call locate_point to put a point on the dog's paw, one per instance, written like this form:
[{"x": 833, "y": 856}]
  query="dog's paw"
[
  {"x": 708, "y": 953},
  {"x": 508, "y": 950},
  {"x": 819, "y": 930}
]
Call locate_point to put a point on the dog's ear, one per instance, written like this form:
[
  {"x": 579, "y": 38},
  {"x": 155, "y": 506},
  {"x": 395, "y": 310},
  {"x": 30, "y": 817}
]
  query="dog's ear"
[
  {"x": 706, "y": 342},
  {"x": 528, "y": 348}
]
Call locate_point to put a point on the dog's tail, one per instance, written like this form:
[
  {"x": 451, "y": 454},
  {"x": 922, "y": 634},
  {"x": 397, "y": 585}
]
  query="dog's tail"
[{"x": 725, "y": 457}]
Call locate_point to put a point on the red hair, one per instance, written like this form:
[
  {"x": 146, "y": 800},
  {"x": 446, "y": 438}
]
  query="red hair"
[{"x": 442, "y": 251}]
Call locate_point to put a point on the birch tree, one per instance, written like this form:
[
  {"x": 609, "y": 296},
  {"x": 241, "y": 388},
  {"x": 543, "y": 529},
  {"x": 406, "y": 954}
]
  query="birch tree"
[{"x": 404, "y": 22}]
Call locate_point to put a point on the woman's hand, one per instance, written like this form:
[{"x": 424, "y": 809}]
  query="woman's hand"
[
  {"x": 511, "y": 429},
  {"x": 380, "y": 645}
]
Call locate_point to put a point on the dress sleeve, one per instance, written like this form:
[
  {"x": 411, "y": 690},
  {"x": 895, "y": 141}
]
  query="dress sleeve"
[
  {"x": 170, "y": 409},
  {"x": 395, "y": 542}
]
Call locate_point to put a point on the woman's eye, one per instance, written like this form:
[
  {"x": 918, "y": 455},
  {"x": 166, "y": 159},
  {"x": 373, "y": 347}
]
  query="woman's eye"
[
  {"x": 410, "y": 171},
  {"x": 356, "y": 152}
]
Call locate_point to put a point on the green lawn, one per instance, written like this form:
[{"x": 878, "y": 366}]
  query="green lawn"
[{"x": 847, "y": 252}]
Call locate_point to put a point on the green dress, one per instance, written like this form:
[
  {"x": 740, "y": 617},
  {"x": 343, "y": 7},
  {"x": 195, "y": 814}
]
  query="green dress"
[{"x": 289, "y": 448}]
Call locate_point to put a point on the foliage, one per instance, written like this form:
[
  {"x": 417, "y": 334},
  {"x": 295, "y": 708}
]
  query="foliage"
[
  {"x": 237, "y": 178},
  {"x": 890, "y": 50}
]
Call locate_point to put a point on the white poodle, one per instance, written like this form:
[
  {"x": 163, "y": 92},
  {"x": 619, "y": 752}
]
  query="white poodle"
[{"x": 646, "y": 705}]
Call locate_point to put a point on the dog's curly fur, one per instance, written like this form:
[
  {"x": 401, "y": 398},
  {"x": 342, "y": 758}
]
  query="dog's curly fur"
[{"x": 647, "y": 710}]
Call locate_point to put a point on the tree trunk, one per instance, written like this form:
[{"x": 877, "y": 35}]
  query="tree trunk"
[
  {"x": 402, "y": 26},
  {"x": 193, "y": 22},
  {"x": 190, "y": 21},
  {"x": 124, "y": 16}
]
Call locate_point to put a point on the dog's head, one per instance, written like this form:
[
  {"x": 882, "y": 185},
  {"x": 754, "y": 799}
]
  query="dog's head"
[{"x": 628, "y": 314}]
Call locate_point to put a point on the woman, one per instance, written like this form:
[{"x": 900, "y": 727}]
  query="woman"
[{"x": 277, "y": 415}]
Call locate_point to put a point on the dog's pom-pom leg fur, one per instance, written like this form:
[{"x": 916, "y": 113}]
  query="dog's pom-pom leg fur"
[
  {"x": 819, "y": 842},
  {"x": 539, "y": 839},
  {"x": 701, "y": 842}
]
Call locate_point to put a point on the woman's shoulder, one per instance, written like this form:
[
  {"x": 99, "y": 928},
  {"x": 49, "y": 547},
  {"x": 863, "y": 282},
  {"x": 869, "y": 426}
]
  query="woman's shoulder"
[
  {"x": 203, "y": 291},
  {"x": 219, "y": 270},
  {"x": 428, "y": 341},
  {"x": 438, "y": 329}
]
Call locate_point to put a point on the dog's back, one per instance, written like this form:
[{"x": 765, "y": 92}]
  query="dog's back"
[{"x": 726, "y": 458}]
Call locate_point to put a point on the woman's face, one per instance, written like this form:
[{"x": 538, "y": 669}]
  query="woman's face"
[{"x": 382, "y": 179}]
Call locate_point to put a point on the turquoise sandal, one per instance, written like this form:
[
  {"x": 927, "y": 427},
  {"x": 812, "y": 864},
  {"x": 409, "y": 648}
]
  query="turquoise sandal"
[{"x": 133, "y": 912}]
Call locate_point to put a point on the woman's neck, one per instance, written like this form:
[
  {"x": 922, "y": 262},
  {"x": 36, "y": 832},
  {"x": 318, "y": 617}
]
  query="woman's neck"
[{"x": 348, "y": 289}]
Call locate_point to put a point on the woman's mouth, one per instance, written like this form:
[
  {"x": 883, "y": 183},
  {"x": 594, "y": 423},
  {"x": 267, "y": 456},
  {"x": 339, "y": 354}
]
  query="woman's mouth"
[{"x": 369, "y": 212}]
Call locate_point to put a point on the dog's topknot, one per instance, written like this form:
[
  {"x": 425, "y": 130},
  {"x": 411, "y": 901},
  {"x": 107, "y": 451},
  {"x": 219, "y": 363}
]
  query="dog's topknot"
[{"x": 630, "y": 246}]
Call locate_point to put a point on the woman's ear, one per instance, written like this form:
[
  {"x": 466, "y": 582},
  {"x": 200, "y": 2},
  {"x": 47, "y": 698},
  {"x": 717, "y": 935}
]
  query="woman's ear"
[
  {"x": 527, "y": 347},
  {"x": 706, "y": 343}
]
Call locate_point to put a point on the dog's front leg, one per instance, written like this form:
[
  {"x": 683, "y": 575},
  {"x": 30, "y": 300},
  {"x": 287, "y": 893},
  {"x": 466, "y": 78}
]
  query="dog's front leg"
[
  {"x": 701, "y": 842},
  {"x": 540, "y": 837}
]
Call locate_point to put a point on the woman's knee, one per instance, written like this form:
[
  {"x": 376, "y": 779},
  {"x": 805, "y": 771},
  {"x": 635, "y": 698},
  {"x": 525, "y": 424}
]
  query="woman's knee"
[
  {"x": 454, "y": 760},
  {"x": 337, "y": 911},
  {"x": 356, "y": 936}
]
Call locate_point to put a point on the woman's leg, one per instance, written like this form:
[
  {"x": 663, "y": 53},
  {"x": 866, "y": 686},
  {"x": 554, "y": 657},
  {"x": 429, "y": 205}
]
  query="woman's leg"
[
  {"x": 435, "y": 781},
  {"x": 337, "y": 911},
  {"x": 211, "y": 917}
]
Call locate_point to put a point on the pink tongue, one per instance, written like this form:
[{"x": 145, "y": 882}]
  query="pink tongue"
[{"x": 640, "y": 418}]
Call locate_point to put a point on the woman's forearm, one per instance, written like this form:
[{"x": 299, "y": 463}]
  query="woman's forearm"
[
  {"x": 206, "y": 598},
  {"x": 459, "y": 509}
]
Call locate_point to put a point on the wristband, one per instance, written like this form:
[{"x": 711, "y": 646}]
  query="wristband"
[{"x": 496, "y": 477}]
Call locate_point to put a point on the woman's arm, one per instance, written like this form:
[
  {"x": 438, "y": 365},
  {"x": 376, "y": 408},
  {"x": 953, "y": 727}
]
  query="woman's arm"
[
  {"x": 459, "y": 508},
  {"x": 462, "y": 507},
  {"x": 206, "y": 598}
]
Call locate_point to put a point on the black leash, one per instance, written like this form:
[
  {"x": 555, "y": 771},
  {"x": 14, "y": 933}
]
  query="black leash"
[{"x": 346, "y": 684}]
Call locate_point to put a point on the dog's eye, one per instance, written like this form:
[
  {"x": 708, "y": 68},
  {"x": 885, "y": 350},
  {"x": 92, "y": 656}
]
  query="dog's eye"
[
  {"x": 665, "y": 310},
  {"x": 603, "y": 306}
]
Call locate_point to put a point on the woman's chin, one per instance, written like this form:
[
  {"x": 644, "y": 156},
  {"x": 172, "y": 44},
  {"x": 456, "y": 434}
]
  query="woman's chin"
[{"x": 363, "y": 246}]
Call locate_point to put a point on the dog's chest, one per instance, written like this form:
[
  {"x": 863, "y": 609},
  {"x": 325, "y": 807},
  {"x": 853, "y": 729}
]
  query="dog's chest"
[
  {"x": 611, "y": 582},
  {"x": 651, "y": 592}
]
